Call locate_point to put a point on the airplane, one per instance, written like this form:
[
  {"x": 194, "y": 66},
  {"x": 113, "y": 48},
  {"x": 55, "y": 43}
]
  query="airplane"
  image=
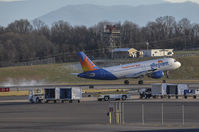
[{"x": 151, "y": 68}]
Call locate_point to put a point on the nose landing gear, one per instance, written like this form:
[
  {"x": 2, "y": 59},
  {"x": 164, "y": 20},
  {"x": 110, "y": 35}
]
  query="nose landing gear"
[{"x": 126, "y": 82}]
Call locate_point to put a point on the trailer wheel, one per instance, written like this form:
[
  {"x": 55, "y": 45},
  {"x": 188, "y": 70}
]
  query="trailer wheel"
[
  {"x": 99, "y": 99},
  {"x": 55, "y": 101},
  {"x": 161, "y": 97},
  {"x": 126, "y": 82},
  {"x": 185, "y": 97},
  {"x": 37, "y": 100},
  {"x": 124, "y": 97},
  {"x": 106, "y": 98},
  {"x": 31, "y": 101},
  {"x": 140, "y": 82},
  {"x": 78, "y": 101},
  {"x": 194, "y": 96},
  {"x": 176, "y": 97},
  {"x": 169, "y": 96}
]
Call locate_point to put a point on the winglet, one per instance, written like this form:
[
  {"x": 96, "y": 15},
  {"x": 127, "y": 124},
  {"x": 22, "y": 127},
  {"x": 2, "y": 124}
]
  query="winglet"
[{"x": 86, "y": 63}]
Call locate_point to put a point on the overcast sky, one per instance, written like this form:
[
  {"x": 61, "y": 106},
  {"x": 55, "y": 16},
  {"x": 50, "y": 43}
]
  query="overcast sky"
[{"x": 11, "y": 10}]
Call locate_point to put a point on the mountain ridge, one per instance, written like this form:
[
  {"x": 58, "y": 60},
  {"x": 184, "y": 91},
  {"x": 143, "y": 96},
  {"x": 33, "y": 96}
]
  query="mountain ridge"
[{"x": 89, "y": 15}]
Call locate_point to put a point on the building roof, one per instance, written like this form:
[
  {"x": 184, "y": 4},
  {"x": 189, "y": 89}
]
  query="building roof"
[
  {"x": 123, "y": 49},
  {"x": 158, "y": 49}
]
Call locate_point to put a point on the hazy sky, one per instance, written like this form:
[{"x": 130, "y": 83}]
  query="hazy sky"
[{"x": 11, "y": 10}]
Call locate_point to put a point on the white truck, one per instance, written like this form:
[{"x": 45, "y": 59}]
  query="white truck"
[
  {"x": 191, "y": 93},
  {"x": 167, "y": 89},
  {"x": 61, "y": 94},
  {"x": 107, "y": 97},
  {"x": 36, "y": 95}
]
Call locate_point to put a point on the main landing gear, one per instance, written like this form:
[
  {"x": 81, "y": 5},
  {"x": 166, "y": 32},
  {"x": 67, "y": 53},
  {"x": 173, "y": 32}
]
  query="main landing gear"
[{"x": 126, "y": 82}]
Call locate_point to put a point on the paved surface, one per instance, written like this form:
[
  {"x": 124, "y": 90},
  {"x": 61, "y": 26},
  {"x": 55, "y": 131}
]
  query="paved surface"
[
  {"x": 96, "y": 86},
  {"x": 92, "y": 116}
]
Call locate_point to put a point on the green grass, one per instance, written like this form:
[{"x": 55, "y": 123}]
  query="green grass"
[
  {"x": 61, "y": 73},
  {"x": 189, "y": 68},
  {"x": 183, "y": 52},
  {"x": 48, "y": 73}
]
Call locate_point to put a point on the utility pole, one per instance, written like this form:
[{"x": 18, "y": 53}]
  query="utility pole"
[{"x": 147, "y": 45}]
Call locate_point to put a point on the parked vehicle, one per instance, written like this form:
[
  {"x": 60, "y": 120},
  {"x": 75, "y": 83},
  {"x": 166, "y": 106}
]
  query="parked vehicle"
[
  {"x": 167, "y": 89},
  {"x": 107, "y": 97},
  {"x": 163, "y": 90},
  {"x": 191, "y": 93},
  {"x": 145, "y": 93},
  {"x": 35, "y": 95},
  {"x": 56, "y": 95}
]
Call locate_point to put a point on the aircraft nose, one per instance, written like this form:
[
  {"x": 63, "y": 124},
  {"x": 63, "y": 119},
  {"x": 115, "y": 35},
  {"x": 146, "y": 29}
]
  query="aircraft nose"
[{"x": 178, "y": 64}]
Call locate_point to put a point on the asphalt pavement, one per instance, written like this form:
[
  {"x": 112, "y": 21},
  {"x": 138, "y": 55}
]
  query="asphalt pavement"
[{"x": 92, "y": 116}]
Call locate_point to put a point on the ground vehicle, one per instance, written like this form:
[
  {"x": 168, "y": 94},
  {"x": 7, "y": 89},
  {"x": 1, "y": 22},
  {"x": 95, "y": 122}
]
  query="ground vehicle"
[
  {"x": 163, "y": 90},
  {"x": 167, "y": 89},
  {"x": 191, "y": 93},
  {"x": 145, "y": 93},
  {"x": 107, "y": 97},
  {"x": 35, "y": 95},
  {"x": 57, "y": 95}
]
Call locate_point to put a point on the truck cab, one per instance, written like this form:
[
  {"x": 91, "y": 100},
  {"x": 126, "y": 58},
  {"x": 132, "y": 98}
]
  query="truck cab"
[{"x": 36, "y": 96}]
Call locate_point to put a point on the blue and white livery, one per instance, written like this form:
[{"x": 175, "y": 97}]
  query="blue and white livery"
[{"x": 151, "y": 68}]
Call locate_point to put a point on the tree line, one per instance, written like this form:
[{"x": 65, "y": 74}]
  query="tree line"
[{"x": 24, "y": 41}]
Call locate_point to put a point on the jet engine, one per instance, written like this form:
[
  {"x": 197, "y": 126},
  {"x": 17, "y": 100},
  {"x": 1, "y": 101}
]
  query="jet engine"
[{"x": 156, "y": 75}]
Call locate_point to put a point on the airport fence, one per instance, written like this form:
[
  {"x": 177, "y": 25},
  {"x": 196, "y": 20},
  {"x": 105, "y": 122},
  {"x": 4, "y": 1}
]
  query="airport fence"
[{"x": 164, "y": 113}]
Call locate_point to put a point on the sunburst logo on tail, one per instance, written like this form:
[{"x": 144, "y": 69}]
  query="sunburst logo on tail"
[{"x": 86, "y": 63}]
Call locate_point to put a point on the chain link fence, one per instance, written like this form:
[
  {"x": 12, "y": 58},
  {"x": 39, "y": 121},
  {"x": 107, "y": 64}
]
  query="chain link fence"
[{"x": 159, "y": 113}]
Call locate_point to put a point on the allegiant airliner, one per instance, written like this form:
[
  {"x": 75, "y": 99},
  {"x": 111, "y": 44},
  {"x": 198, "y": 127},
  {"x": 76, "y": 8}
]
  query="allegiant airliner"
[{"x": 151, "y": 68}]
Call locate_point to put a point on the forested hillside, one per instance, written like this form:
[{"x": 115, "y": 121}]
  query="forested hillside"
[{"x": 23, "y": 41}]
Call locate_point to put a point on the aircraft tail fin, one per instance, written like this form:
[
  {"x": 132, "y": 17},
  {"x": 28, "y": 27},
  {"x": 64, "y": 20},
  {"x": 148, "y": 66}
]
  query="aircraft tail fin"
[{"x": 86, "y": 63}]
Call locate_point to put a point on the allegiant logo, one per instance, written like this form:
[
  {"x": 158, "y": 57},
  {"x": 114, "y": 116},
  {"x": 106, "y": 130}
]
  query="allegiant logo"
[{"x": 158, "y": 65}]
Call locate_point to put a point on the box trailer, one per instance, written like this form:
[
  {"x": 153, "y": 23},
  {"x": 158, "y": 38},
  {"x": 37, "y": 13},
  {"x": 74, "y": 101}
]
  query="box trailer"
[
  {"x": 167, "y": 89},
  {"x": 63, "y": 94},
  {"x": 57, "y": 95}
]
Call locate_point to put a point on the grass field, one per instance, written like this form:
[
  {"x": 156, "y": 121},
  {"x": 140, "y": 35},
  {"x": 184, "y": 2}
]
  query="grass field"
[{"x": 61, "y": 73}]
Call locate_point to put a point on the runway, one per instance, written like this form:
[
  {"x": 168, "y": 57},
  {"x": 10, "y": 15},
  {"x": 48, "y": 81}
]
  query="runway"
[
  {"x": 92, "y": 116},
  {"x": 16, "y": 114}
]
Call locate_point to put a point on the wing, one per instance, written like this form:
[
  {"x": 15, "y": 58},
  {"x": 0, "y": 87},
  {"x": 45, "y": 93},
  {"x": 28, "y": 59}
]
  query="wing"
[{"x": 140, "y": 74}]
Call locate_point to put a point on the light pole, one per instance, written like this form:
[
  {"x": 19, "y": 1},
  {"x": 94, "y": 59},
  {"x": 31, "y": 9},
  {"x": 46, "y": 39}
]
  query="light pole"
[{"x": 147, "y": 47}]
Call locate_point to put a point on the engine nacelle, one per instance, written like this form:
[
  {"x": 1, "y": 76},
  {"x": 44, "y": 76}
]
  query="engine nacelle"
[{"x": 157, "y": 75}]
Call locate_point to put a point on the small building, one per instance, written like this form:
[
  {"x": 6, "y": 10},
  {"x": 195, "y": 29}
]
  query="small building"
[
  {"x": 126, "y": 53},
  {"x": 158, "y": 52}
]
